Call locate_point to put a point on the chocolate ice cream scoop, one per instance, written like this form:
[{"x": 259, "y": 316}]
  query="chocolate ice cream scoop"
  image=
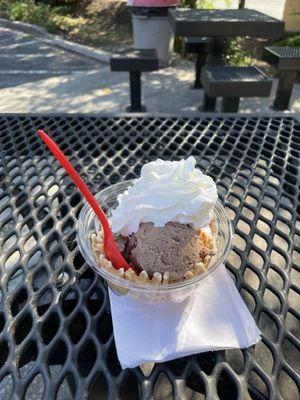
[{"x": 175, "y": 248}]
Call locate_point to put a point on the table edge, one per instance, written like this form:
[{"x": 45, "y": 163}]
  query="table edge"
[
  {"x": 190, "y": 114},
  {"x": 173, "y": 10}
]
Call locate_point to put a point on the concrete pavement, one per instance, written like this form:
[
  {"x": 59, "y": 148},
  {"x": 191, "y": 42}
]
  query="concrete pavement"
[
  {"x": 38, "y": 77},
  {"x": 26, "y": 58}
]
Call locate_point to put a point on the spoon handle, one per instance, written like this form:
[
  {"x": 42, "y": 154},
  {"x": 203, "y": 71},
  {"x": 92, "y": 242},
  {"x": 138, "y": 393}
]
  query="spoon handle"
[
  {"x": 59, "y": 155},
  {"x": 110, "y": 247}
]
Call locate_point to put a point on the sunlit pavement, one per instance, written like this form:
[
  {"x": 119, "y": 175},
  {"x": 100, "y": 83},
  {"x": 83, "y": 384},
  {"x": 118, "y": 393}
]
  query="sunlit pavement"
[
  {"x": 37, "y": 77},
  {"x": 26, "y": 58}
]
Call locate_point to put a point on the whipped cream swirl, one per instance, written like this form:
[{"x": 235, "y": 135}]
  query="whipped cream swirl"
[{"x": 166, "y": 191}]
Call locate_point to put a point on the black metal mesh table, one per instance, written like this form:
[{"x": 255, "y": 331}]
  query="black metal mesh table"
[
  {"x": 56, "y": 336},
  {"x": 246, "y": 22},
  {"x": 221, "y": 24}
]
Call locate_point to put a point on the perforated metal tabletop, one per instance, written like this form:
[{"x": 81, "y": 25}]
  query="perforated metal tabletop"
[
  {"x": 245, "y": 22},
  {"x": 56, "y": 338}
]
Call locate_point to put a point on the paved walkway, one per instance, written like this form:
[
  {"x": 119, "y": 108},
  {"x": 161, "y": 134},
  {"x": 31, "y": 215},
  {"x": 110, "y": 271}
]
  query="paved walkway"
[
  {"x": 38, "y": 77},
  {"x": 26, "y": 58}
]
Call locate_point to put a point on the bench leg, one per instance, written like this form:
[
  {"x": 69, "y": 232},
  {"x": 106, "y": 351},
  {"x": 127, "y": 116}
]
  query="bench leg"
[
  {"x": 135, "y": 92},
  {"x": 217, "y": 52},
  {"x": 230, "y": 104},
  {"x": 284, "y": 89},
  {"x": 200, "y": 62},
  {"x": 209, "y": 103}
]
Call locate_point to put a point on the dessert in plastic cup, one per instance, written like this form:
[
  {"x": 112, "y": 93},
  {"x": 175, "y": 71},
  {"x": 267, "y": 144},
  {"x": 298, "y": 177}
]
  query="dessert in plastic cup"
[{"x": 169, "y": 226}]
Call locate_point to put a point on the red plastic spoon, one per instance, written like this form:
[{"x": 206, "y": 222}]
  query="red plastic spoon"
[{"x": 110, "y": 248}]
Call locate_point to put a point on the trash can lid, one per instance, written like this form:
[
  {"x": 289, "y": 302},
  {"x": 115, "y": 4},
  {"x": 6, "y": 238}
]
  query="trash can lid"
[
  {"x": 151, "y": 7},
  {"x": 150, "y": 11}
]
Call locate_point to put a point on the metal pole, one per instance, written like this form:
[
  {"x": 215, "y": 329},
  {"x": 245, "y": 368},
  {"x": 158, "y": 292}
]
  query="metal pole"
[
  {"x": 209, "y": 103},
  {"x": 135, "y": 90},
  {"x": 215, "y": 57},
  {"x": 284, "y": 89},
  {"x": 230, "y": 104},
  {"x": 200, "y": 62}
]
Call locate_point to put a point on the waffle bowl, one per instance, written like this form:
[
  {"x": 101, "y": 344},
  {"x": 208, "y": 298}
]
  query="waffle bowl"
[{"x": 156, "y": 288}]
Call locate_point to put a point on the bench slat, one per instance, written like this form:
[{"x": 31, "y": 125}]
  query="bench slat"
[
  {"x": 235, "y": 82},
  {"x": 135, "y": 60},
  {"x": 283, "y": 58}
]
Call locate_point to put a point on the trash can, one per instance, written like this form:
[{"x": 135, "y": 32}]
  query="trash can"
[{"x": 152, "y": 30}]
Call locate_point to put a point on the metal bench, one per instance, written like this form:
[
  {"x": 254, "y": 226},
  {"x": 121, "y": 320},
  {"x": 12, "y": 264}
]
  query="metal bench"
[
  {"x": 135, "y": 62},
  {"x": 231, "y": 83},
  {"x": 201, "y": 46},
  {"x": 287, "y": 61}
]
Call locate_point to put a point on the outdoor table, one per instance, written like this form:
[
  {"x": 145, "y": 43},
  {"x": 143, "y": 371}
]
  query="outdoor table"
[
  {"x": 56, "y": 338},
  {"x": 219, "y": 24}
]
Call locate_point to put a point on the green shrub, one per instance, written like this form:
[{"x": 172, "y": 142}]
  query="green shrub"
[
  {"x": 4, "y": 6},
  {"x": 208, "y": 4},
  {"x": 52, "y": 18},
  {"x": 29, "y": 11},
  {"x": 292, "y": 40},
  {"x": 205, "y": 4},
  {"x": 55, "y": 3},
  {"x": 234, "y": 53}
]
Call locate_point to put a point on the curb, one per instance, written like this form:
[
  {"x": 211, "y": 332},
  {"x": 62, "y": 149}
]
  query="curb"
[
  {"x": 81, "y": 49},
  {"x": 87, "y": 51},
  {"x": 24, "y": 27}
]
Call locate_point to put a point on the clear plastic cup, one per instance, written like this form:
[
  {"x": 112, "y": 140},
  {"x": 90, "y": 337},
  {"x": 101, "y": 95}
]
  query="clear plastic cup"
[{"x": 175, "y": 292}]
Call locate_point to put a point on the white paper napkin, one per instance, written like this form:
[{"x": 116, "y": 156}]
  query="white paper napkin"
[{"x": 213, "y": 318}]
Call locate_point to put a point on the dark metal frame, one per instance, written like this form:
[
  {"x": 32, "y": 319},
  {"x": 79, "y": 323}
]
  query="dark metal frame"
[
  {"x": 231, "y": 90},
  {"x": 201, "y": 47},
  {"x": 264, "y": 26},
  {"x": 288, "y": 69},
  {"x": 219, "y": 29},
  {"x": 135, "y": 62},
  {"x": 135, "y": 92},
  {"x": 284, "y": 90}
]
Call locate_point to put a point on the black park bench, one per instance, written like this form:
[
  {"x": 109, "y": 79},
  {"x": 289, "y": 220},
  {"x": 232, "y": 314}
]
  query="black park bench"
[
  {"x": 135, "y": 62},
  {"x": 287, "y": 61},
  {"x": 231, "y": 83}
]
